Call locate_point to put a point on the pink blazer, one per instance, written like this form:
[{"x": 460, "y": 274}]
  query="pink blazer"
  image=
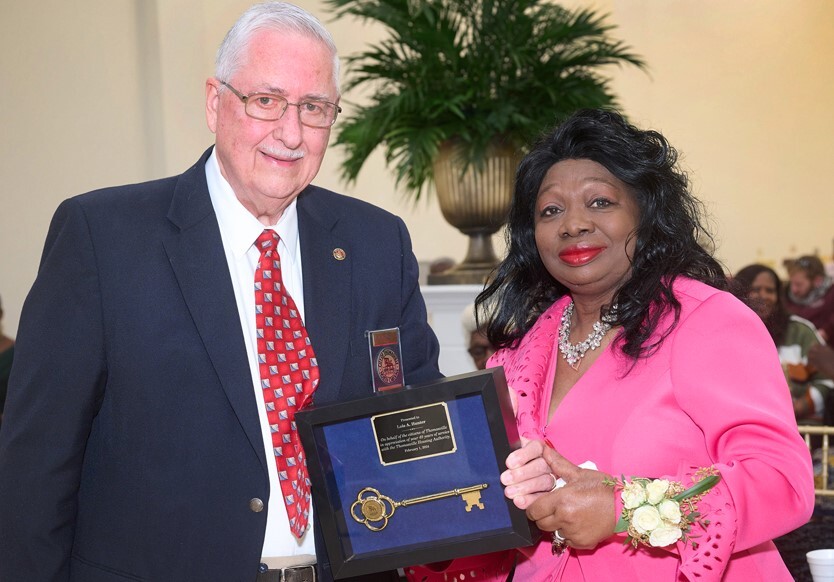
[{"x": 713, "y": 394}]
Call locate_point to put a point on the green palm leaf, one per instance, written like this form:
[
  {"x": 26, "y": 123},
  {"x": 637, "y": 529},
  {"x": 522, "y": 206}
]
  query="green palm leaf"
[{"x": 470, "y": 70}]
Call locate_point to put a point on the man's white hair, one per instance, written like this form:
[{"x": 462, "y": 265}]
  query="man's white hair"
[{"x": 270, "y": 16}]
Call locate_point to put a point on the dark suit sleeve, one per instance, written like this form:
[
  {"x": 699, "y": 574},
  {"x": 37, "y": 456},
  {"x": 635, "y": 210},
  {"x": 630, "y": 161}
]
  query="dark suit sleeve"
[
  {"x": 54, "y": 393},
  {"x": 420, "y": 346}
]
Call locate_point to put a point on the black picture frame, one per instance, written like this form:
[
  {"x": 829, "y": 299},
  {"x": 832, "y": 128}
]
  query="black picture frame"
[{"x": 345, "y": 455}]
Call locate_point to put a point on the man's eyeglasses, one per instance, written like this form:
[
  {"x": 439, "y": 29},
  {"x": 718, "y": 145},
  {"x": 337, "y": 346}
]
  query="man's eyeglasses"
[{"x": 271, "y": 107}]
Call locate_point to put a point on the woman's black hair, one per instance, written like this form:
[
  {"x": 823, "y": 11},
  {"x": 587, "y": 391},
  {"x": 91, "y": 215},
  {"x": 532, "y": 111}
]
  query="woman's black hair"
[
  {"x": 777, "y": 322},
  {"x": 669, "y": 234}
]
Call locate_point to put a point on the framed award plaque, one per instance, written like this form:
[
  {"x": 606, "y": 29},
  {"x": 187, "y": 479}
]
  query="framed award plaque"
[{"x": 411, "y": 475}]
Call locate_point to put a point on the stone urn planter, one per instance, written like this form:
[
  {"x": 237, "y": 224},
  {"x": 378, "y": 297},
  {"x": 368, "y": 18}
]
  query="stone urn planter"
[{"x": 475, "y": 200}]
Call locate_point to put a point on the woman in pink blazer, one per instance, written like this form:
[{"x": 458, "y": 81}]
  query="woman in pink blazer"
[{"x": 621, "y": 348}]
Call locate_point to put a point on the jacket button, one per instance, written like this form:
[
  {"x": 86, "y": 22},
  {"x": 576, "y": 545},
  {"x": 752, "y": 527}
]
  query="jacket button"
[{"x": 256, "y": 505}]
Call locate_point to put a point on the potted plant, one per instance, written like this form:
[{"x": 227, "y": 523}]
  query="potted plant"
[{"x": 459, "y": 88}]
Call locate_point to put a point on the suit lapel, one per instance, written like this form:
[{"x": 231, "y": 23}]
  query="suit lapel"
[
  {"x": 327, "y": 291},
  {"x": 197, "y": 257}
]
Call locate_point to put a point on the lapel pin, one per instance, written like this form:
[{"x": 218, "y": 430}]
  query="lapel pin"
[{"x": 339, "y": 254}]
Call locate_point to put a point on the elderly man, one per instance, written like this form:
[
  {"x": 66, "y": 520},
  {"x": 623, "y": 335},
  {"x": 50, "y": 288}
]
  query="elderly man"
[{"x": 176, "y": 326}]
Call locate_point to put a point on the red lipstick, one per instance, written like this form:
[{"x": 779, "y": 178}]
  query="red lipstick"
[{"x": 577, "y": 256}]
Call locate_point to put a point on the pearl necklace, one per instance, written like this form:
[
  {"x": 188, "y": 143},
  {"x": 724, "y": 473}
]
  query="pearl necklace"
[{"x": 573, "y": 353}]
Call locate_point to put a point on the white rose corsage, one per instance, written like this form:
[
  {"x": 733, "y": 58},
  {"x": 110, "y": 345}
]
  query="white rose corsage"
[{"x": 658, "y": 512}]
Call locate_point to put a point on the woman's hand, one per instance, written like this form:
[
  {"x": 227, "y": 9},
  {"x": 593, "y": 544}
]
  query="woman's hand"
[{"x": 583, "y": 511}]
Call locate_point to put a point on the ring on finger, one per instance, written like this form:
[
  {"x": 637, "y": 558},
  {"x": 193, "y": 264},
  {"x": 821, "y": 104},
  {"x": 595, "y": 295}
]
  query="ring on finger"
[
  {"x": 558, "y": 543},
  {"x": 555, "y": 482}
]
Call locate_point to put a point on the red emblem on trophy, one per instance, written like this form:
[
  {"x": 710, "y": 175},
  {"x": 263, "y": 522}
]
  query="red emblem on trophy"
[{"x": 388, "y": 365}]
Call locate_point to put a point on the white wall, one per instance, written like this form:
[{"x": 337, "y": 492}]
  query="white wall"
[
  {"x": 743, "y": 89},
  {"x": 102, "y": 92}
]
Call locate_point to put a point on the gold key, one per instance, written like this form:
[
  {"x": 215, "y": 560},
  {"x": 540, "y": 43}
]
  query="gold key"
[
  {"x": 472, "y": 499},
  {"x": 376, "y": 508}
]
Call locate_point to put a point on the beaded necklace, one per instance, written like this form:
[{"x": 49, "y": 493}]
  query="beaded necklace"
[{"x": 573, "y": 353}]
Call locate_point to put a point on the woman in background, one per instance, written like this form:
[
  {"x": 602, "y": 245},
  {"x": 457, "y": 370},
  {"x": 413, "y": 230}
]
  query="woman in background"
[{"x": 794, "y": 336}]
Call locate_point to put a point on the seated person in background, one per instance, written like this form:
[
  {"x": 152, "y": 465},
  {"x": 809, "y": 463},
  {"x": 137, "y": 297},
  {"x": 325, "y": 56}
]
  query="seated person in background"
[
  {"x": 477, "y": 343},
  {"x": 794, "y": 336},
  {"x": 811, "y": 294}
]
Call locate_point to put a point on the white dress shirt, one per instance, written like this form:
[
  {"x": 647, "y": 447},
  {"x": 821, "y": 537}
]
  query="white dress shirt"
[{"x": 239, "y": 230}]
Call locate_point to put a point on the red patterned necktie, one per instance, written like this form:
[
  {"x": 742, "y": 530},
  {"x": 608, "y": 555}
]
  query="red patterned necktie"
[{"x": 289, "y": 376}]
